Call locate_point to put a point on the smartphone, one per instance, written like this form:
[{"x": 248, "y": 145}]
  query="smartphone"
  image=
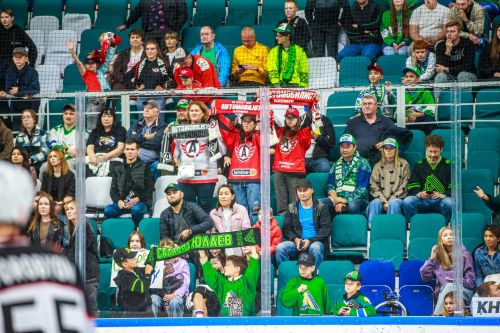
[
  {"x": 301, "y": 244},
  {"x": 240, "y": 66},
  {"x": 429, "y": 192}
]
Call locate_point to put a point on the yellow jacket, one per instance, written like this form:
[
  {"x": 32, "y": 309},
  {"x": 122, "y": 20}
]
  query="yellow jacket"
[
  {"x": 300, "y": 74},
  {"x": 256, "y": 56}
]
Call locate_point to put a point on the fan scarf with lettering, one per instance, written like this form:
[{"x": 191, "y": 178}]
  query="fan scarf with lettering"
[{"x": 221, "y": 240}]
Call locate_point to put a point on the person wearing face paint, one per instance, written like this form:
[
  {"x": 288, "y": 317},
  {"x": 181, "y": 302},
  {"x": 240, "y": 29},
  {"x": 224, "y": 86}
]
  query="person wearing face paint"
[
  {"x": 439, "y": 267},
  {"x": 388, "y": 181},
  {"x": 91, "y": 254},
  {"x": 429, "y": 187},
  {"x": 353, "y": 303},
  {"x": 229, "y": 215}
]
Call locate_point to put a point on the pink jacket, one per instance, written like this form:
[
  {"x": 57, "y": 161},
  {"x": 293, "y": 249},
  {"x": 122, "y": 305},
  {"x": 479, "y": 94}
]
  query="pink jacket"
[{"x": 239, "y": 220}]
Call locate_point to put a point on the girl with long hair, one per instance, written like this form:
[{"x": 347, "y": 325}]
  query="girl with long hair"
[
  {"x": 32, "y": 138},
  {"x": 490, "y": 58},
  {"x": 487, "y": 256},
  {"x": 19, "y": 156},
  {"x": 395, "y": 28},
  {"x": 439, "y": 267},
  {"x": 136, "y": 241},
  {"x": 289, "y": 160},
  {"x": 388, "y": 181},
  {"x": 194, "y": 153},
  {"x": 45, "y": 228},
  {"x": 59, "y": 180},
  {"x": 105, "y": 144},
  {"x": 91, "y": 254}
]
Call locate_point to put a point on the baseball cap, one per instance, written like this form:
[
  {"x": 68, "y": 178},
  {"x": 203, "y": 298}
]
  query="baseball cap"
[
  {"x": 291, "y": 111},
  {"x": 20, "y": 50},
  {"x": 172, "y": 186},
  {"x": 353, "y": 276},
  {"x": 231, "y": 115},
  {"x": 69, "y": 107},
  {"x": 348, "y": 138},
  {"x": 187, "y": 72},
  {"x": 180, "y": 54},
  {"x": 306, "y": 259},
  {"x": 16, "y": 195},
  {"x": 89, "y": 59},
  {"x": 153, "y": 103},
  {"x": 182, "y": 104},
  {"x": 123, "y": 254},
  {"x": 413, "y": 70},
  {"x": 303, "y": 183},
  {"x": 391, "y": 142},
  {"x": 283, "y": 28},
  {"x": 376, "y": 67}
]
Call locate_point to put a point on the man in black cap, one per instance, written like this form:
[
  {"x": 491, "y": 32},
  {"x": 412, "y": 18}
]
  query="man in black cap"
[
  {"x": 183, "y": 219},
  {"x": 306, "y": 227}
]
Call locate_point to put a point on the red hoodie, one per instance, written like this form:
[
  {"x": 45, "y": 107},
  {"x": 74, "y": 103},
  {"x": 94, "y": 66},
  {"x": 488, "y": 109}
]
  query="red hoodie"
[
  {"x": 203, "y": 70},
  {"x": 276, "y": 234}
]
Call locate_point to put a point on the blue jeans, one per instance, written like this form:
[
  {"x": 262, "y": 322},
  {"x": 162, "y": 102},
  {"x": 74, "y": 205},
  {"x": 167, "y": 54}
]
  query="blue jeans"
[
  {"x": 447, "y": 77},
  {"x": 203, "y": 192},
  {"x": 286, "y": 249},
  {"x": 413, "y": 205},
  {"x": 175, "y": 306},
  {"x": 248, "y": 195},
  {"x": 389, "y": 50},
  {"x": 137, "y": 211},
  {"x": 356, "y": 206},
  {"x": 153, "y": 166},
  {"x": 317, "y": 165},
  {"x": 376, "y": 207},
  {"x": 143, "y": 99},
  {"x": 365, "y": 49}
]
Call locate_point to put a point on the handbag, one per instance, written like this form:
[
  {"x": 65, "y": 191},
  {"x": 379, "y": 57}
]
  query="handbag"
[
  {"x": 172, "y": 283},
  {"x": 187, "y": 170}
]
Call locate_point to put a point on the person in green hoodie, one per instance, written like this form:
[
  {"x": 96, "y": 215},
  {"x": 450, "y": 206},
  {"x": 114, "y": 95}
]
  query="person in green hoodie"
[
  {"x": 306, "y": 293},
  {"x": 419, "y": 102},
  {"x": 237, "y": 287},
  {"x": 353, "y": 302},
  {"x": 395, "y": 28}
]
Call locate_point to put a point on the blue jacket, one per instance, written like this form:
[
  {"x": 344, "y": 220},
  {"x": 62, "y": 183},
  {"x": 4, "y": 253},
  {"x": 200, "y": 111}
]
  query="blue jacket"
[
  {"x": 484, "y": 264},
  {"x": 223, "y": 65},
  {"x": 135, "y": 133},
  {"x": 25, "y": 79}
]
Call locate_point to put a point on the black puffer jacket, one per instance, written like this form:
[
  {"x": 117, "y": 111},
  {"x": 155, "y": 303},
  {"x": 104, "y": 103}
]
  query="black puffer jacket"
[
  {"x": 140, "y": 182},
  {"x": 91, "y": 255}
]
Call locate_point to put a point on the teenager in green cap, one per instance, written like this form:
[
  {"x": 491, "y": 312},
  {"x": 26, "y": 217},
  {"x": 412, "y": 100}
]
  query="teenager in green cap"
[{"x": 353, "y": 303}]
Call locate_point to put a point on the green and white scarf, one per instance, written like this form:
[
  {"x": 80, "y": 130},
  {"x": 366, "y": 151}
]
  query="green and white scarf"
[
  {"x": 290, "y": 63},
  {"x": 347, "y": 182}
]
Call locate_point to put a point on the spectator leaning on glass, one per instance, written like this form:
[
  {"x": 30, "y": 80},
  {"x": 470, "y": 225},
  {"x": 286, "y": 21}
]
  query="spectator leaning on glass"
[
  {"x": 215, "y": 52},
  {"x": 287, "y": 62},
  {"x": 249, "y": 66},
  {"x": 388, "y": 181},
  {"x": 429, "y": 187},
  {"x": 487, "y": 256},
  {"x": 454, "y": 58},
  {"x": 348, "y": 180},
  {"x": 301, "y": 35},
  {"x": 428, "y": 22},
  {"x": 362, "y": 25},
  {"x": 131, "y": 187}
]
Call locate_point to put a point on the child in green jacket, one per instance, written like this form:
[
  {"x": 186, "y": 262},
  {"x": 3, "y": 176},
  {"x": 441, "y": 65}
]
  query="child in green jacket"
[
  {"x": 307, "y": 294},
  {"x": 237, "y": 287},
  {"x": 353, "y": 303}
]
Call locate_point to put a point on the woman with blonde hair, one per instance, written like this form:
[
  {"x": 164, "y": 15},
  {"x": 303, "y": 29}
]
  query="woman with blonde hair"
[
  {"x": 59, "y": 180},
  {"x": 45, "y": 228},
  {"x": 198, "y": 175},
  {"x": 440, "y": 267},
  {"x": 388, "y": 181}
]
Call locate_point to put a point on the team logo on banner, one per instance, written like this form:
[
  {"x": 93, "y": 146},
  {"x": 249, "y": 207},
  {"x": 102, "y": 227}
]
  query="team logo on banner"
[
  {"x": 288, "y": 146},
  {"x": 193, "y": 148},
  {"x": 244, "y": 152},
  {"x": 212, "y": 123}
]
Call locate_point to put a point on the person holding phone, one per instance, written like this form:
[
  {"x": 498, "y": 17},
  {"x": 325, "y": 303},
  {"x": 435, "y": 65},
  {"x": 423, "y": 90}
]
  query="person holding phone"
[{"x": 429, "y": 187}]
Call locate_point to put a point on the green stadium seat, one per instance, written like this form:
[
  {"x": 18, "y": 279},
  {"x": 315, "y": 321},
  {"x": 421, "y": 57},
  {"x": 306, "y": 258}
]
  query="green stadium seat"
[
  {"x": 47, "y": 7},
  {"x": 93, "y": 225},
  {"x": 286, "y": 271},
  {"x": 417, "y": 143},
  {"x": 447, "y": 135},
  {"x": 473, "y": 225},
  {"x": 191, "y": 37},
  {"x": 89, "y": 41},
  {"x": 470, "y": 179},
  {"x": 471, "y": 243},
  {"x": 242, "y": 18},
  {"x": 353, "y": 71},
  {"x": 82, "y": 7},
  {"x": 444, "y": 112},
  {"x": 192, "y": 277},
  {"x": 318, "y": 181},
  {"x": 333, "y": 272},
  {"x": 392, "y": 66},
  {"x": 150, "y": 228},
  {"x": 125, "y": 44},
  {"x": 426, "y": 225},
  {"x": 209, "y": 12},
  {"x": 336, "y": 291},
  {"x": 281, "y": 220},
  {"x": 115, "y": 7},
  {"x": 342, "y": 103},
  {"x": 420, "y": 248},
  {"x": 117, "y": 231},
  {"x": 108, "y": 22},
  {"x": 349, "y": 237},
  {"x": 72, "y": 79},
  {"x": 272, "y": 16},
  {"x": 20, "y": 9},
  {"x": 56, "y": 106},
  {"x": 265, "y": 34},
  {"x": 484, "y": 139},
  {"x": 412, "y": 157},
  {"x": 228, "y": 35},
  {"x": 388, "y": 226},
  {"x": 485, "y": 159},
  {"x": 488, "y": 112},
  {"x": 391, "y": 250},
  {"x": 104, "y": 292}
]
